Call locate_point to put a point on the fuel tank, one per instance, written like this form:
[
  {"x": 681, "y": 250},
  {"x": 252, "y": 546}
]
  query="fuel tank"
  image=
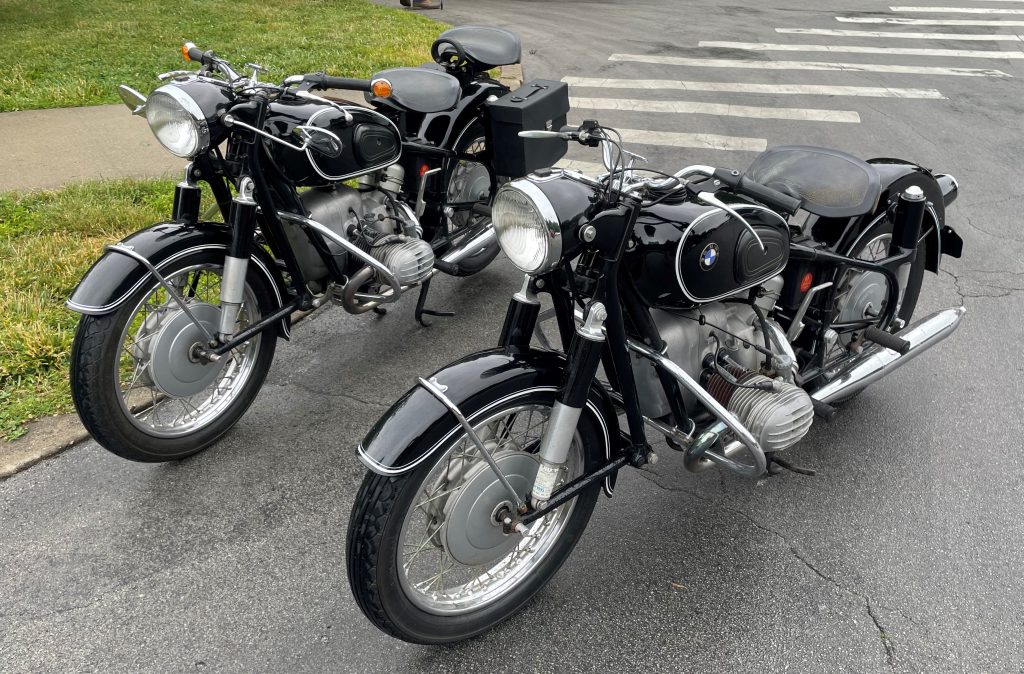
[
  {"x": 369, "y": 143},
  {"x": 688, "y": 253}
]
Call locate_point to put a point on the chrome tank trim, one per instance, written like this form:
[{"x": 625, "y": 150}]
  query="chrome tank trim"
[{"x": 679, "y": 251}]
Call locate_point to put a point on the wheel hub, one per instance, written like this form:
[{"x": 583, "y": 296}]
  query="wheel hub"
[
  {"x": 867, "y": 291},
  {"x": 173, "y": 366},
  {"x": 471, "y": 534}
]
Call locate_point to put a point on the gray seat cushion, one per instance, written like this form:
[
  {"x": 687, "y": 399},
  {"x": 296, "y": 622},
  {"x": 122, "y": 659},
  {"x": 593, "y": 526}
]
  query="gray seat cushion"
[
  {"x": 486, "y": 46},
  {"x": 831, "y": 183}
]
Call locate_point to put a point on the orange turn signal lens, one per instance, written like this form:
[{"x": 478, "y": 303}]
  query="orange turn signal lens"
[
  {"x": 806, "y": 281},
  {"x": 184, "y": 52},
  {"x": 381, "y": 88}
]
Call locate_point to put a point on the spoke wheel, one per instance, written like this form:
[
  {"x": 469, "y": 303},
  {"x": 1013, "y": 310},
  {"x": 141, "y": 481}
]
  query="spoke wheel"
[
  {"x": 163, "y": 389},
  {"x": 137, "y": 381},
  {"x": 428, "y": 560}
]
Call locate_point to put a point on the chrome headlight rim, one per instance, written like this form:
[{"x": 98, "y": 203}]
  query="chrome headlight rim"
[
  {"x": 189, "y": 105},
  {"x": 549, "y": 221}
]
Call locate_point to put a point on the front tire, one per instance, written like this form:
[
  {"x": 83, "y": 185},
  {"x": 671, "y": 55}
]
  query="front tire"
[
  {"x": 425, "y": 562},
  {"x": 133, "y": 384}
]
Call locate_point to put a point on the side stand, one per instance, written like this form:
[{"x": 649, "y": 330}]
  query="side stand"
[{"x": 421, "y": 309}]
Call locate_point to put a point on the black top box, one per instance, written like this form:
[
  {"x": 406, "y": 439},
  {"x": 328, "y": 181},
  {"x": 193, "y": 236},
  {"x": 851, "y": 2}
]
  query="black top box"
[{"x": 538, "y": 105}]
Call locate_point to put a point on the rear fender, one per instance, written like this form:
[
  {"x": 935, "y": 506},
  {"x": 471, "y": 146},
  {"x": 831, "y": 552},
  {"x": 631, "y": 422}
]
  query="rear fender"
[
  {"x": 114, "y": 277},
  {"x": 418, "y": 425},
  {"x": 940, "y": 191}
]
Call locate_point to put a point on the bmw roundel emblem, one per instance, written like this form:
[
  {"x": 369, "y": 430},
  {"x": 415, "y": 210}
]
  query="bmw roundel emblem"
[{"x": 709, "y": 256}]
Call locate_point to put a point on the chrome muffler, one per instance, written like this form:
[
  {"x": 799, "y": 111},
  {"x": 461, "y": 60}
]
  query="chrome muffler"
[{"x": 876, "y": 361}]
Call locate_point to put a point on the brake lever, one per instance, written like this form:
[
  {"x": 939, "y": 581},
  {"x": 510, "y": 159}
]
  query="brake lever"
[{"x": 710, "y": 199}]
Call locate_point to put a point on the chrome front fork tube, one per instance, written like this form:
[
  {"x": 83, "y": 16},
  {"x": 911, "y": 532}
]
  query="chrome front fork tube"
[
  {"x": 583, "y": 361},
  {"x": 236, "y": 263}
]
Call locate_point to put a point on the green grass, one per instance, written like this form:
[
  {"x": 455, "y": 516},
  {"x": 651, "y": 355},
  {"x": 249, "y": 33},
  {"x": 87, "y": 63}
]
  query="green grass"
[
  {"x": 62, "y": 53},
  {"x": 47, "y": 242}
]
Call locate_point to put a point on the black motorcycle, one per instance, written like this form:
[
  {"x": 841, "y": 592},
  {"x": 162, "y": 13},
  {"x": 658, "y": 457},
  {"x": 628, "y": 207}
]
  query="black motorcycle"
[
  {"x": 721, "y": 323},
  {"x": 180, "y": 320}
]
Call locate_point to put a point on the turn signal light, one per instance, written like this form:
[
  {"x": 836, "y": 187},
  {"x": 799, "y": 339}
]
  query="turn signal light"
[
  {"x": 184, "y": 51},
  {"x": 806, "y": 282},
  {"x": 381, "y": 88}
]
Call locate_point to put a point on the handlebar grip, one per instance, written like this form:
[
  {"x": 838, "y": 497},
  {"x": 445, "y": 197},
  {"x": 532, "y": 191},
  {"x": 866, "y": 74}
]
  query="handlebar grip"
[
  {"x": 194, "y": 53},
  {"x": 773, "y": 198},
  {"x": 322, "y": 81}
]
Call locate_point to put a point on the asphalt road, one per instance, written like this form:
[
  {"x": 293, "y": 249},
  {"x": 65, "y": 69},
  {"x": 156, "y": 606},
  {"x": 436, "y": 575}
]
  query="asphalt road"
[{"x": 904, "y": 553}]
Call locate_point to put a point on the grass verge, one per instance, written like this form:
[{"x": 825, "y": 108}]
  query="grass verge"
[
  {"x": 47, "y": 242},
  {"x": 65, "y": 53}
]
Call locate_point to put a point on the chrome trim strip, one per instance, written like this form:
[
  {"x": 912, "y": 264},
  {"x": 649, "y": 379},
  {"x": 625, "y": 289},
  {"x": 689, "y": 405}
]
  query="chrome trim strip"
[
  {"x": 381, "y": 469},
  {"x": 686, "y": 233}
]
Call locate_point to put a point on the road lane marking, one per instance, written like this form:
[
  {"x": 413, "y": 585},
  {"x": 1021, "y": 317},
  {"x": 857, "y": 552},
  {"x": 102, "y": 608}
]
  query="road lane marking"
[
  {"x": 902, "y": 21},
  {"x": 753, "y": 88},
  {"x": 890, "y": 34},
  {"x": 959, "y": 10},
  {"x": 806, "y": 65},
  {"x": 720, "y": 109},
  {"x": 853, "y": 49},
  {"x": 706, "y": 141}
]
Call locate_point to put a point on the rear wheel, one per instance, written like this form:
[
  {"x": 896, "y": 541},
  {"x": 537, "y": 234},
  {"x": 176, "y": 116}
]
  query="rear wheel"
[
  {"x": 862, "y": 294},
  {"x": 469, "y": 181},
  {"x": 428, "y": 560}
]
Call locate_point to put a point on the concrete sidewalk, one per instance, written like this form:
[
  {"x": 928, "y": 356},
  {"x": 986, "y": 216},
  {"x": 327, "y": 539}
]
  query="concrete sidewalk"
[{"x": 45, "y": 149}]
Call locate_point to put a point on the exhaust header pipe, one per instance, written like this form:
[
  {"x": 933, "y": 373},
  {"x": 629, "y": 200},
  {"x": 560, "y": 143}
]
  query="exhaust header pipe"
[{"x": 876, "y": 361}]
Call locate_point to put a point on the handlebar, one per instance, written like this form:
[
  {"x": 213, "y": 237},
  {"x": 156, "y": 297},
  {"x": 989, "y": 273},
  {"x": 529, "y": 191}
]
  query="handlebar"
[
  {"x": 590, "y": 134},
  {"x": 744, "y": 185},
  {"x": 324, "y": 81}
]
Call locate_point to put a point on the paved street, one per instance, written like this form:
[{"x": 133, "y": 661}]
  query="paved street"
[{"x": 905, "y": 553}]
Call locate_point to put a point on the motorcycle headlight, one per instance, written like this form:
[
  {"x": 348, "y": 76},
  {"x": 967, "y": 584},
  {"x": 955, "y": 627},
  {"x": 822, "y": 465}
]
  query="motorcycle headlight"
[
  {"x": 527, "y": 227},
  {"x": 177, "y": 122}
]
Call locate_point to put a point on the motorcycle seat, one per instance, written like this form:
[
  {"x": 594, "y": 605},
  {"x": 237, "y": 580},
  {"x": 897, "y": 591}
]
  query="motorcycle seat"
[
  {"x": 485, "y": 47},
  {"x": 420, "y": 89},
  {"x": 831, "y": 183}
]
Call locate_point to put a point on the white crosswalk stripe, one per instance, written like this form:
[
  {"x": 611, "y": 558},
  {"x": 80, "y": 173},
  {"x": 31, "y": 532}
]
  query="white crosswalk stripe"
[
  {"x": 904, "y": 21},
  {"x": 856, "y": 49},
  {"x": 623, "y": 101},
  {"x": 959, "y": 10},
  {"x": 897, "y": 35},
  {"x": 808, "y": 65},
  {"x": 754, "y": 88},
  {"x": 720, "y": 109},
  {"x": 706, "y": 141}
]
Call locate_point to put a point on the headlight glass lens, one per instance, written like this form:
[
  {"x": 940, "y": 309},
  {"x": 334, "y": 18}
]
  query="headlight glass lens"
[
  {"x": 526, "y": 228},
  {"x": 176, "y": 122}
]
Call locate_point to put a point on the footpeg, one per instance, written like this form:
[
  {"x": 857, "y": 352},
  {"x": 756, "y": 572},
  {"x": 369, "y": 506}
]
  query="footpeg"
[{"x": 887, "y": 339}]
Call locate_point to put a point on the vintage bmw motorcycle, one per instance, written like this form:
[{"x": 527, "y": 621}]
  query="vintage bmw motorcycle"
[
  {"x": 180, "y": 320},
  {"x": 720, "y": 323}
]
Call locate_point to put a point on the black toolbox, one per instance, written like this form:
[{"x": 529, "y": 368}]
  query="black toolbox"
[{"x": 538, "y": 105}]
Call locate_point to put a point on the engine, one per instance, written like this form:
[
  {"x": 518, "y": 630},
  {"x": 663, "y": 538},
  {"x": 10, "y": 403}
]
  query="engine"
[
  {"x": 721, "y": 345},
  {"x": 373, "y": 219}
]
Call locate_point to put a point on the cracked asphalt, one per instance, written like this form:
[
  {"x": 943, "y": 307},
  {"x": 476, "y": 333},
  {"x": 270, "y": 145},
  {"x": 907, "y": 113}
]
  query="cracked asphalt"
[{"x": 905, "y": 553}]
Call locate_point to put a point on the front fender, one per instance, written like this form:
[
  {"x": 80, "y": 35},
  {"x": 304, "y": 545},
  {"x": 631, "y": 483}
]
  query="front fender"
[
  {"x": 114, "y": 277},
  {"x": 418, "y": 425}
]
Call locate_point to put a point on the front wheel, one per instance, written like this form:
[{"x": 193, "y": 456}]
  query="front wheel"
[
  {"x": 428, "y": 561},
  {"x": 136, "y": 382}
]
